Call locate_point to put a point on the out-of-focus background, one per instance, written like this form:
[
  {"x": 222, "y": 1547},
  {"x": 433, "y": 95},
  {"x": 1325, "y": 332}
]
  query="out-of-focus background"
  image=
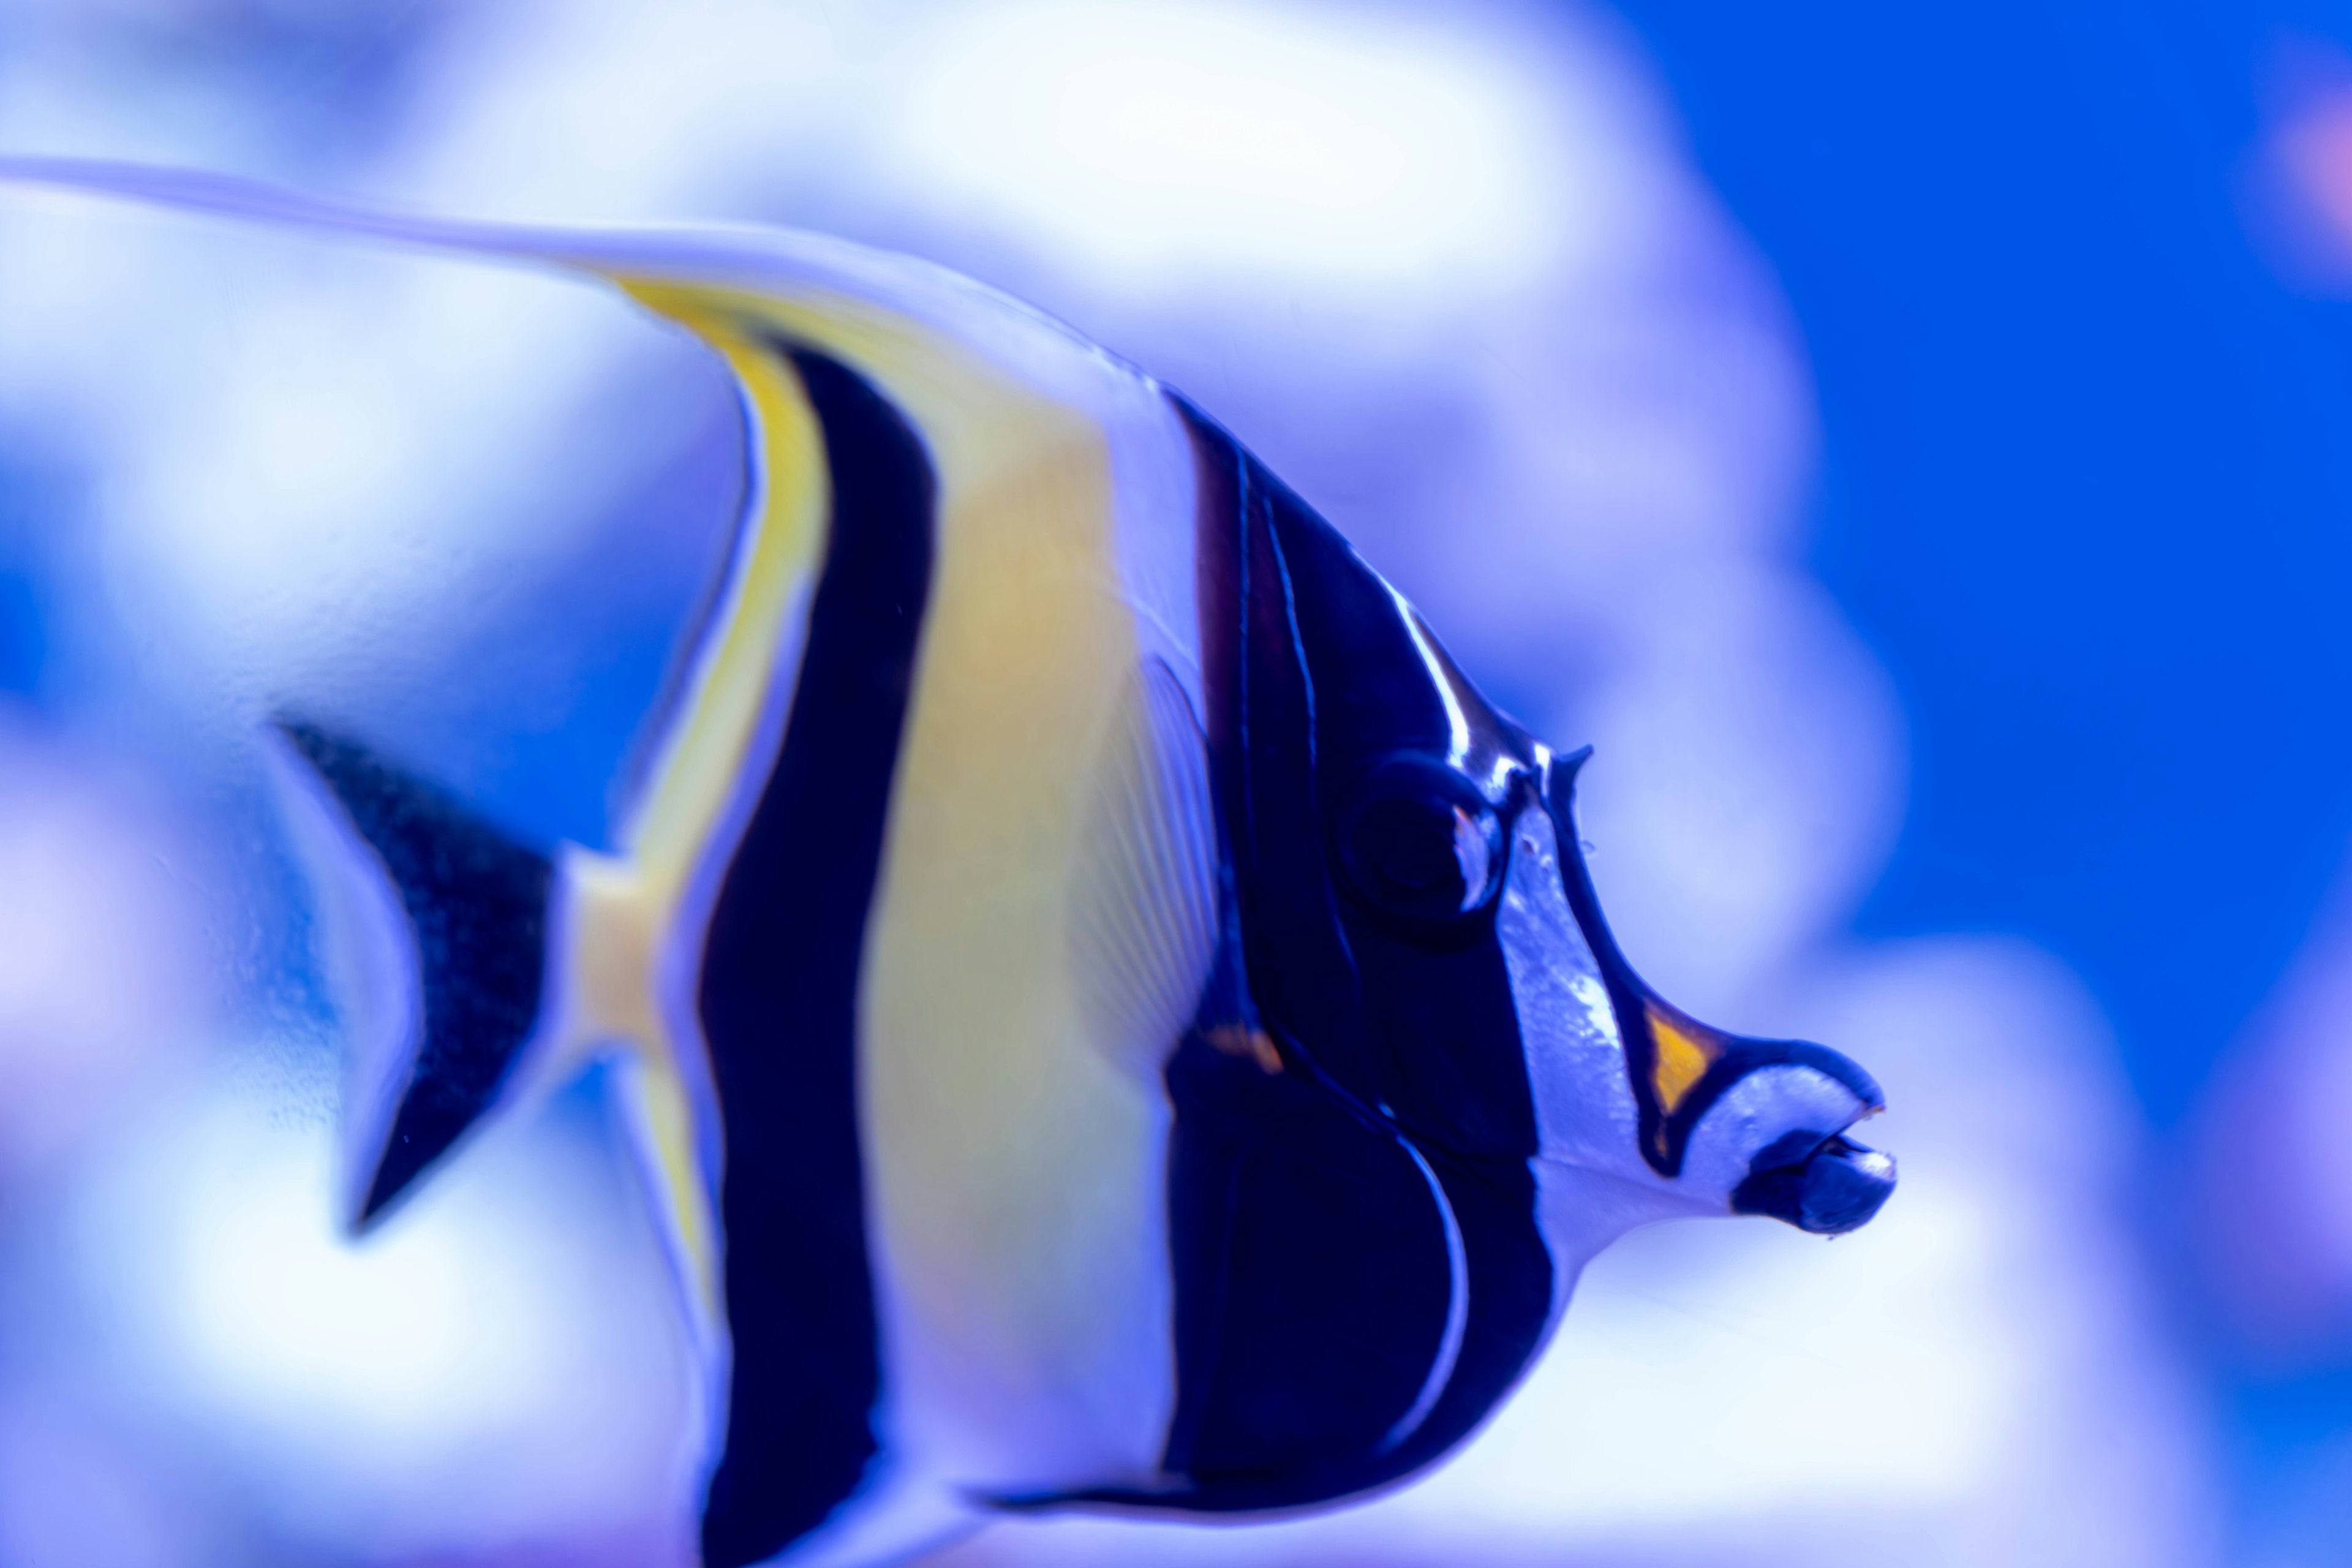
[{"x": 1913, "y": 444}]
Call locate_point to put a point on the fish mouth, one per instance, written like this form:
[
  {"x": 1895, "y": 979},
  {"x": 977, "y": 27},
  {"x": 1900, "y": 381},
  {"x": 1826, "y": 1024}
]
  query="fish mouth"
[{"x": 1824, "y": 1186}]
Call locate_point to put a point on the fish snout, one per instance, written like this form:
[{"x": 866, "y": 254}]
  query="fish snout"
[{"x": 1827, "y": 1187}]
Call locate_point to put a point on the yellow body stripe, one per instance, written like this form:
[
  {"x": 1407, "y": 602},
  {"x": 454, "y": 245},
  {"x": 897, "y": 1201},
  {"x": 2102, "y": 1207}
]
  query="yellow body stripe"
[
  {"x": 625, "y": 908},
  {"x": 1012, "y": 1166},
  {"x": 699, "y": 767}
]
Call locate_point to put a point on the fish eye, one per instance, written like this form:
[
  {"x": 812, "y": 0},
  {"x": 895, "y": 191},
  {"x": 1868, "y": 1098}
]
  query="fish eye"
[{"x": 1415, "y": 838}]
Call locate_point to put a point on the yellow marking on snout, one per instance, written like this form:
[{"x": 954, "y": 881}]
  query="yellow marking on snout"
[{"x": 1681, "y": 1059}]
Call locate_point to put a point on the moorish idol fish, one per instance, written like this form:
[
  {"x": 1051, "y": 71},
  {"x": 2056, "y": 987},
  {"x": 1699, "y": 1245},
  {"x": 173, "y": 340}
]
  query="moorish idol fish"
[{"x": 1116, "y": 1019}]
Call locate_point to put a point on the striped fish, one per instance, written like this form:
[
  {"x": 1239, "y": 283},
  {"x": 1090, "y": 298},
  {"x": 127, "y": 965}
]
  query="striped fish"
[{"x": 1115, "y": 1018}]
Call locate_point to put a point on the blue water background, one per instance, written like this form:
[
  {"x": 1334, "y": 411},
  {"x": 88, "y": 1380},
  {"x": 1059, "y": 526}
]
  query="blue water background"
[{"x": 2086, "y": 486}]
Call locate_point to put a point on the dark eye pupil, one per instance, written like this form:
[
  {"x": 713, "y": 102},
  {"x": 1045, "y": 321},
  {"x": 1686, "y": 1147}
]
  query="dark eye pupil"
[
  {"x": 1414, "y": 838},
  {"x": 1411, "y": 844}
]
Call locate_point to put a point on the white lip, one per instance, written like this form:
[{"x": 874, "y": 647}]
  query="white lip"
[{"x": 1876, "y": 1163}]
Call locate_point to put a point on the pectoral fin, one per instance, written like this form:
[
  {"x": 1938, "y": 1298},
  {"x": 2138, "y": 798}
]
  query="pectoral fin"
[{"x": 1144, "y": 915}]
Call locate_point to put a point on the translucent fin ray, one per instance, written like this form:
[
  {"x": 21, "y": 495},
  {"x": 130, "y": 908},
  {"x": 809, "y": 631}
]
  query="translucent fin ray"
[{"x": 1144, "y": 917}]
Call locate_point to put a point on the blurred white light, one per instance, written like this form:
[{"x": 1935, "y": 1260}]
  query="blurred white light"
[
  {"x": 1775, "y": 1367},
  {"x": 511, "y": 1308},
  {"x": 1746, "y": 784},
  {"x": 378, "y": 429},
  {"x": 389, "y": 1337},
  {"x": 1156, "y": 138},
  {"x": 102, "y": 979}
]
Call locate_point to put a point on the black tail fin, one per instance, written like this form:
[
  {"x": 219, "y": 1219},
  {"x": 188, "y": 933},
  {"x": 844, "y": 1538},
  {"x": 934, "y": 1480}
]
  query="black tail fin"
[{"x": 477, "y": 912}]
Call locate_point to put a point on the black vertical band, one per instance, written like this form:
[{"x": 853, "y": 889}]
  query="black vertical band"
[
  {"x": 1311, "y": 1202},
  {"x": 779, "y": 999}
]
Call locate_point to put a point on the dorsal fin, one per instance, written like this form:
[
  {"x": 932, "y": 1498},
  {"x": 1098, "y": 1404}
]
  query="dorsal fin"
[{"x": 879, "y": 311}]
